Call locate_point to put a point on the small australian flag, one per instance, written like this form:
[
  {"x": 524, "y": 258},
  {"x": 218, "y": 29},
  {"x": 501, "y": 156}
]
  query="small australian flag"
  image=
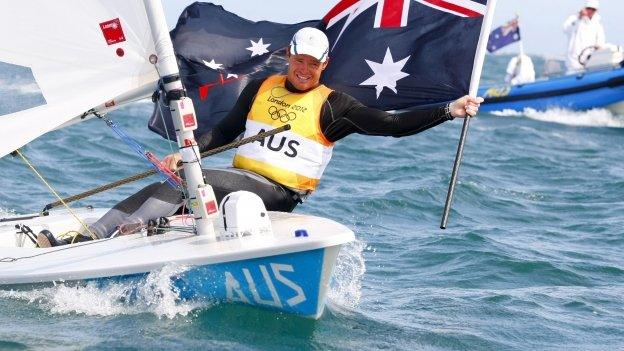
[{"x": 504, "y": 35}]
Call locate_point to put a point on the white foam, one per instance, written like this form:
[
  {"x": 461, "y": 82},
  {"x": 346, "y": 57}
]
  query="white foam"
[
  {"x": 7, "y": 213},
  {"x": 507, "y": 113},
  {"x": 152, "y": 294},
  {"x": 591, "y": 118},
  {"x": 345, "y": 289}
]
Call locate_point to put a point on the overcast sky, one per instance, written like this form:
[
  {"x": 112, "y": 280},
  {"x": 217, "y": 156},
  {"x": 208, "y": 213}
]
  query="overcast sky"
[{"x": 540, "y": 26}]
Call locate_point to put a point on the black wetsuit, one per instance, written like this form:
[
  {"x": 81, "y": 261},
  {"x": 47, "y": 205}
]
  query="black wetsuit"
[{"x": 341, "y": 115}]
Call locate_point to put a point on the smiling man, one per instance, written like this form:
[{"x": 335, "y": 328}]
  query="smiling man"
[
  {"x": 293, "y": 162},
  {"x": 285, "y": 168}
]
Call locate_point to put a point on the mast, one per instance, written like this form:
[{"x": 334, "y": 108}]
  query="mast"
[{"x": 201, "y": 199}]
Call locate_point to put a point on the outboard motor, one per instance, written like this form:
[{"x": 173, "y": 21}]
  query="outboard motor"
[{"x": 243, "y": 214}]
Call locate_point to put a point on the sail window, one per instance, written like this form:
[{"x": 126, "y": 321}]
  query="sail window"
[{"x": 18, "y": 89}]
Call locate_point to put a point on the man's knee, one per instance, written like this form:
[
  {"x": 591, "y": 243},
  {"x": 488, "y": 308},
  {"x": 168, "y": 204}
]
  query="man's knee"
[{"x": 160, "y": 191}]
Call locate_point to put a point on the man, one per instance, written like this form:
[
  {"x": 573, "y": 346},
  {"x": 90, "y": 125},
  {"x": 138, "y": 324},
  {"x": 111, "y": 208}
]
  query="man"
[
  {"x": 283, "y": 169},
  {"x": 520, "y": 70},
  {"x": 584, "y": 31}
]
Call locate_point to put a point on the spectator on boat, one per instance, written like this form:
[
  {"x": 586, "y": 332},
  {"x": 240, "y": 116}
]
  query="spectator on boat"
[
  {"x": 520, "y": 70},
  {"x": 285, "y": 168},
  {"x": 584, "y": 31}
]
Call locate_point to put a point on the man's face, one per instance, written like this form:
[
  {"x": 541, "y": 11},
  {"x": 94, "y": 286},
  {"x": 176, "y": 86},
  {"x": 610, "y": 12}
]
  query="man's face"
[
  {"x": 304, "y": 71},
  {"x": 590, "y": 11}
]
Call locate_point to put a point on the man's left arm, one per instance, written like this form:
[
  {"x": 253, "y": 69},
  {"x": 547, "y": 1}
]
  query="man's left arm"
[{"x": 345, "y": 115}]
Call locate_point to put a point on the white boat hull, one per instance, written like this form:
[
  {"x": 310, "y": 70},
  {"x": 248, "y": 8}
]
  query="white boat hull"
[{"x": 280, "y": 271}]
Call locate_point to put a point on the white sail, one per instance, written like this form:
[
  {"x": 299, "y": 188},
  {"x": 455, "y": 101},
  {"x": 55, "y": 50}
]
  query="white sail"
[{"x": 82, "y": 54}]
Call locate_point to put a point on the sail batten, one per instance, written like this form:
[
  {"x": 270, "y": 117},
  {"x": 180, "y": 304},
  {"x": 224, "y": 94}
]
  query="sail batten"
[{"x": 82, "y": 54}]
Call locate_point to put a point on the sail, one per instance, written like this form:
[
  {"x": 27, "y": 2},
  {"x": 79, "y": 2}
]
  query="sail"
[{"x": 81, "y": 54}]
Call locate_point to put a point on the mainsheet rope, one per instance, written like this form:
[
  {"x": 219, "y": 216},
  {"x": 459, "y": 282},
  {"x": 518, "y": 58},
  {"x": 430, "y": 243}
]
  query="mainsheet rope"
[{"x": 233, "y": 145}]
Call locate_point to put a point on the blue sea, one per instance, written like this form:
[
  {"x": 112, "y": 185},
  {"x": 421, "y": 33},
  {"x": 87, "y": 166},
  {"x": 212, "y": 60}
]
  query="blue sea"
[{"x": 533, "y": 257}]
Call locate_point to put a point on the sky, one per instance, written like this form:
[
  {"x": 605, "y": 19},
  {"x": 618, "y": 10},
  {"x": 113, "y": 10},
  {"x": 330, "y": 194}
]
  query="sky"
[{"x": 540, "y": 20}]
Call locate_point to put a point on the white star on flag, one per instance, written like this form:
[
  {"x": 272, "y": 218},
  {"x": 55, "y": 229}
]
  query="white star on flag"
[
  {"x": 386, "y": 74},
  {"x": 212, "y": 64},
  {"x": 258, "y": 48},
  {"x": 230, "y": 75}
]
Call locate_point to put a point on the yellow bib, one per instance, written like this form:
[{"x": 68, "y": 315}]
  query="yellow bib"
[{"x": 295, "y": 158}]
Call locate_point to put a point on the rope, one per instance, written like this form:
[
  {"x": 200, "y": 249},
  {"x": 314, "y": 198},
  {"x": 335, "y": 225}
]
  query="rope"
[
  {"x": 248, "y": 140},
  {"x": 84, "y": 225},
  {"x": 157, "y": 101},
  {"x": 147, "y": 156},
  {"x": 162, "y": 116},
  {"x": 101, "y": 189},
  {"x": 146, "y": 174}
]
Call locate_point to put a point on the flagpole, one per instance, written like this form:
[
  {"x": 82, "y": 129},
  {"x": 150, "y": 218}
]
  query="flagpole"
[
  {"x": 521, "y": 43},
  {"x": 474, "y": 86}
]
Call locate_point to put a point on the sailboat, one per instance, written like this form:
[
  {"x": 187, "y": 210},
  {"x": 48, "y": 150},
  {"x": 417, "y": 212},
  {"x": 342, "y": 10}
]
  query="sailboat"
[{"x": 90, "y": 57}]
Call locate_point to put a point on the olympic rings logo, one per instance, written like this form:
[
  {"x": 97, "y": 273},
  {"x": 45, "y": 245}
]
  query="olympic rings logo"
[{"x": 281, "y": 114}]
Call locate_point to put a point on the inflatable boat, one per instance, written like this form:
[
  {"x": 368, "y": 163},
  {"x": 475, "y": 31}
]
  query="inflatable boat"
[{"x": 600, "y": 85}]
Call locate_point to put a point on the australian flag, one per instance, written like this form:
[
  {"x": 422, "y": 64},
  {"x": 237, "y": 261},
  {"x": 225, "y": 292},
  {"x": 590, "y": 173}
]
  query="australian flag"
[
  {"x": 218, "y": 53},
  {"x": 389, "y": 54},
  {"x": 398, "y": 54},
  {"x": 504, "y": 35}
]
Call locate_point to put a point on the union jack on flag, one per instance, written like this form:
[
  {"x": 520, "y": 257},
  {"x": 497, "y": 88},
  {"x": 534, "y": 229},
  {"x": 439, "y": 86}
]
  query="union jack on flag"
[
  {"x": 393, "y": 13},
  {"x": 395, "y": 54}
]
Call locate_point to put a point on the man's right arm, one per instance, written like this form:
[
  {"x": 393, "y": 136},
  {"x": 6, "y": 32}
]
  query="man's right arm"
[{"x": 233, "y": 124}]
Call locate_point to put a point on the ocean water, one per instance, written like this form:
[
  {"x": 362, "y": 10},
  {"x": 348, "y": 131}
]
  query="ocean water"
[{"x": 533, "y": 257}]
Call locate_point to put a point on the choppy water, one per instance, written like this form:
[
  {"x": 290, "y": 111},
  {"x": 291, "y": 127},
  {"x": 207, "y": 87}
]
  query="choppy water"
[{"x": 533, "y": 257}]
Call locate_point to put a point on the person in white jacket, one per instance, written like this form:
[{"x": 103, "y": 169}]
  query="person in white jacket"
[
  {"x": 520, "y": 70},
  {"x": 584, "y": 30}
]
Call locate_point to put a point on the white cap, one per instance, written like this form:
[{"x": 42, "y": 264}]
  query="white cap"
[
  {"x": 594, "y": 4},
  {"x": 310, "y": 41}
]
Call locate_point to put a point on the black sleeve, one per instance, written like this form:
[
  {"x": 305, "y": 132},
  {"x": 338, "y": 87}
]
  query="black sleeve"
[
  {"x": 233, "y": 124},
  {"x": 343, "y": 115}
]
